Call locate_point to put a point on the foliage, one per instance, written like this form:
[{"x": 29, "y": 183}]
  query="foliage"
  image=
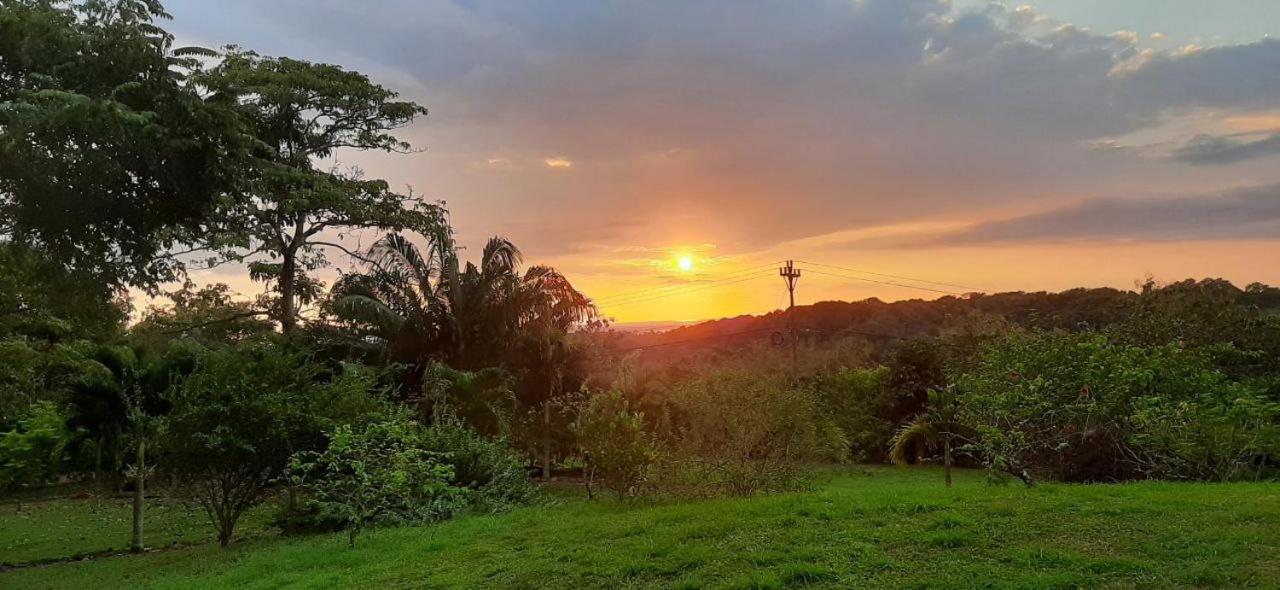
[
  {"x": 41, "y": 300},
  {"x": 481, "y": 399},
  {"x": 739, "y": 433},
  {"x": 32, "y": 371},
  {"x": 241, "y": 415},
  {"x": 425, "y": 304},
  {"x": 209, "y": 315},
  {"x": 299, "y": 112},
  {"x": 1081, "y": 407},
  {"x": 862, "y": 403},
  {"x": 496, "y": 477},
  {"x": 33, "y": 452},
  {"x": 616, "y": 447},
  {"x": 936, "y": 427},
  {"x": 379, "y": 473},
  {"x": 108, "y": 155}
]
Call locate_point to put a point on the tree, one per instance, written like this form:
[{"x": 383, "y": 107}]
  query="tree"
[
  {"x": 424, "y": 305},
  {"x": 299, "y": 113},
  {"x": 937, "y": 426},
  {"x": 209, "y": 315},
  {"x": 238, "y": 418},
  {"x": 118, "y": 405},
  {"x": 1083, "y": 407},
  {"x": 109, "y": 157}
]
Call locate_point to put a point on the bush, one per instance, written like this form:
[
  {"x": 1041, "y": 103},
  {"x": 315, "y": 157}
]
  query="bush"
[
  {"x": 739, "y": 433},
  {"x": 861, "y": 403},
  {"x": 309, "y": 517},
  {"x": 34, "y": 452},
  {"x": 1081, "y": 407},
  {"x": 489, "y": 468},
  {"x": 381, "y": 473},
  {"x": 616, "y": 446}
]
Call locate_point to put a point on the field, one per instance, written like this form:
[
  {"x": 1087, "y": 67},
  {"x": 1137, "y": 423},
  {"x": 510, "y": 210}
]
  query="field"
[{"x": 874, "y": 527}]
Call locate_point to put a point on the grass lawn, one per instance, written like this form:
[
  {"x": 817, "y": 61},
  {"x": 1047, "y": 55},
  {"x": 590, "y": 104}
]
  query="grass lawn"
[
  {"x": 66, "y": 528},
  {"x": 876, "y": 528}
]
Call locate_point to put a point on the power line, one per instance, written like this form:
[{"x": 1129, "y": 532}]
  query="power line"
[
  {"x": 886, "y": 283},
  {"x": 669, "y": 288},
  {"x": 694, "y": 289},
  {"x": 892, "y": 276}
]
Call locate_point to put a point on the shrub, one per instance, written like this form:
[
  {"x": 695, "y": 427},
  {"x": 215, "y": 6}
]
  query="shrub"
[
  {"x": 1081, "y": 407},
  {"x": 862, "y": 404},
  {"x": 496, "y": 476},
  {"x": 379, "y": 473},
  {"x": 34, "y": 452},
  {"x": 739, "y": 433},
  {"x": 308, "y": 517},
  {"x": 615, "y": 444}
]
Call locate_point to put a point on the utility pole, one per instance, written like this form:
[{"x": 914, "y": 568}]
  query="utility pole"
[{"x": 791, "y": 275}]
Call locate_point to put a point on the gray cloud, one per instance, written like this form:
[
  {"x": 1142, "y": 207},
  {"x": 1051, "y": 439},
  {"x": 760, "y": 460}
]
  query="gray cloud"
[
  {"x": 1236, "y": 76},
  {"x": 1247, "y": 213},
  {"x": 852, "y": 113},
  {"x": 1210, "y": 149}
]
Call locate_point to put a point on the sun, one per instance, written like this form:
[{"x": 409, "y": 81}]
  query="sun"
[{"x": 685, "y": 263}]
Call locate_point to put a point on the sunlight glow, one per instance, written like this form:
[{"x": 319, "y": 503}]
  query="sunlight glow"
[{"x": 685, "y": 263}]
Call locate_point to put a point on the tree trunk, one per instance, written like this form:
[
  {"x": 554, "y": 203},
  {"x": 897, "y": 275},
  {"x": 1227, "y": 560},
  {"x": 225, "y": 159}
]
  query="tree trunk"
[
  {"x": 224, "y": 532},
  {"x": 546, "y": 440},
  {"x": 946, "y": 455},
  {"x": 288, "y": 287},
  {"x": 139, "y": 493}
]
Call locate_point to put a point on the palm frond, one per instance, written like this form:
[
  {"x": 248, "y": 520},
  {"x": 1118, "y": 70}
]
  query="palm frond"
[
  {"x": 362, "y": 308},
  {"x": 500, "y": 256},
  {"x": 919, "y": 430}
]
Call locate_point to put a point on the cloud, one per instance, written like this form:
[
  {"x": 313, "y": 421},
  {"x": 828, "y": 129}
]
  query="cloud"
[
  {"x": 847, "y": 114},
  {"x": 1210, "y": 149},
  {"x": 1247, "y": 213},
  {"x": 1236, "y": 76}
]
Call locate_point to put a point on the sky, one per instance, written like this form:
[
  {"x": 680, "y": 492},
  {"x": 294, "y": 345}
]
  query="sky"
[{"x": 879, "y": 143}]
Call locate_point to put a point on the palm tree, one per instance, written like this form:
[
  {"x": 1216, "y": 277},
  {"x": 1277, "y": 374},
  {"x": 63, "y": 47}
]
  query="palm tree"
[
  {"x": 421, "y": 304},
  {"x": 115, "y": 407},
  {"x": 935, "y": 426}
]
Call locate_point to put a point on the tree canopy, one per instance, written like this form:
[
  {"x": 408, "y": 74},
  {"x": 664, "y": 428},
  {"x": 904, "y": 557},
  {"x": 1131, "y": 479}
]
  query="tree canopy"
[{"x": 109, "y": 156}]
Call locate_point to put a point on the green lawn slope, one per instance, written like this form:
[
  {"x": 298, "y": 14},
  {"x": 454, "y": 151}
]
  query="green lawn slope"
[{"x": 872, "y": 528}]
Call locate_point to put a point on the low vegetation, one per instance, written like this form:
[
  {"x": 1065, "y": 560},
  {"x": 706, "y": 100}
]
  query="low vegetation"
[{"x": 872, "y": 528}]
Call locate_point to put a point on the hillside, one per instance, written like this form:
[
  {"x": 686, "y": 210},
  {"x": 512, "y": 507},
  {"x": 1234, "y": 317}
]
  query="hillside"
[{"x": 880, "y": 322}]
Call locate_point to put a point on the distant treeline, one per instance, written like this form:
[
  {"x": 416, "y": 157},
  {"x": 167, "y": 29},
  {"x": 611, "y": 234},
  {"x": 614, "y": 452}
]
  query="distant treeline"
[{"x": 884, "y": 323}]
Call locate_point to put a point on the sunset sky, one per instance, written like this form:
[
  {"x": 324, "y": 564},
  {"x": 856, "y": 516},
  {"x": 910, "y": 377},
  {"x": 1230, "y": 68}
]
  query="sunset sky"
[{"x": 665, "y": 155}]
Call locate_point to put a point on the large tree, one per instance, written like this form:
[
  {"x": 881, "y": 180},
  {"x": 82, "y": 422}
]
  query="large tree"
[
  {"x": 295, "y": 207},
  {"x": 424, "y": 305},
  {"x": 109, "y": 157}
]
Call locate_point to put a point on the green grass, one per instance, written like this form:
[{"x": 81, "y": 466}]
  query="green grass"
[
  {"x": 879, "y": 528},
  {"x": 68, "y": 529}
]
